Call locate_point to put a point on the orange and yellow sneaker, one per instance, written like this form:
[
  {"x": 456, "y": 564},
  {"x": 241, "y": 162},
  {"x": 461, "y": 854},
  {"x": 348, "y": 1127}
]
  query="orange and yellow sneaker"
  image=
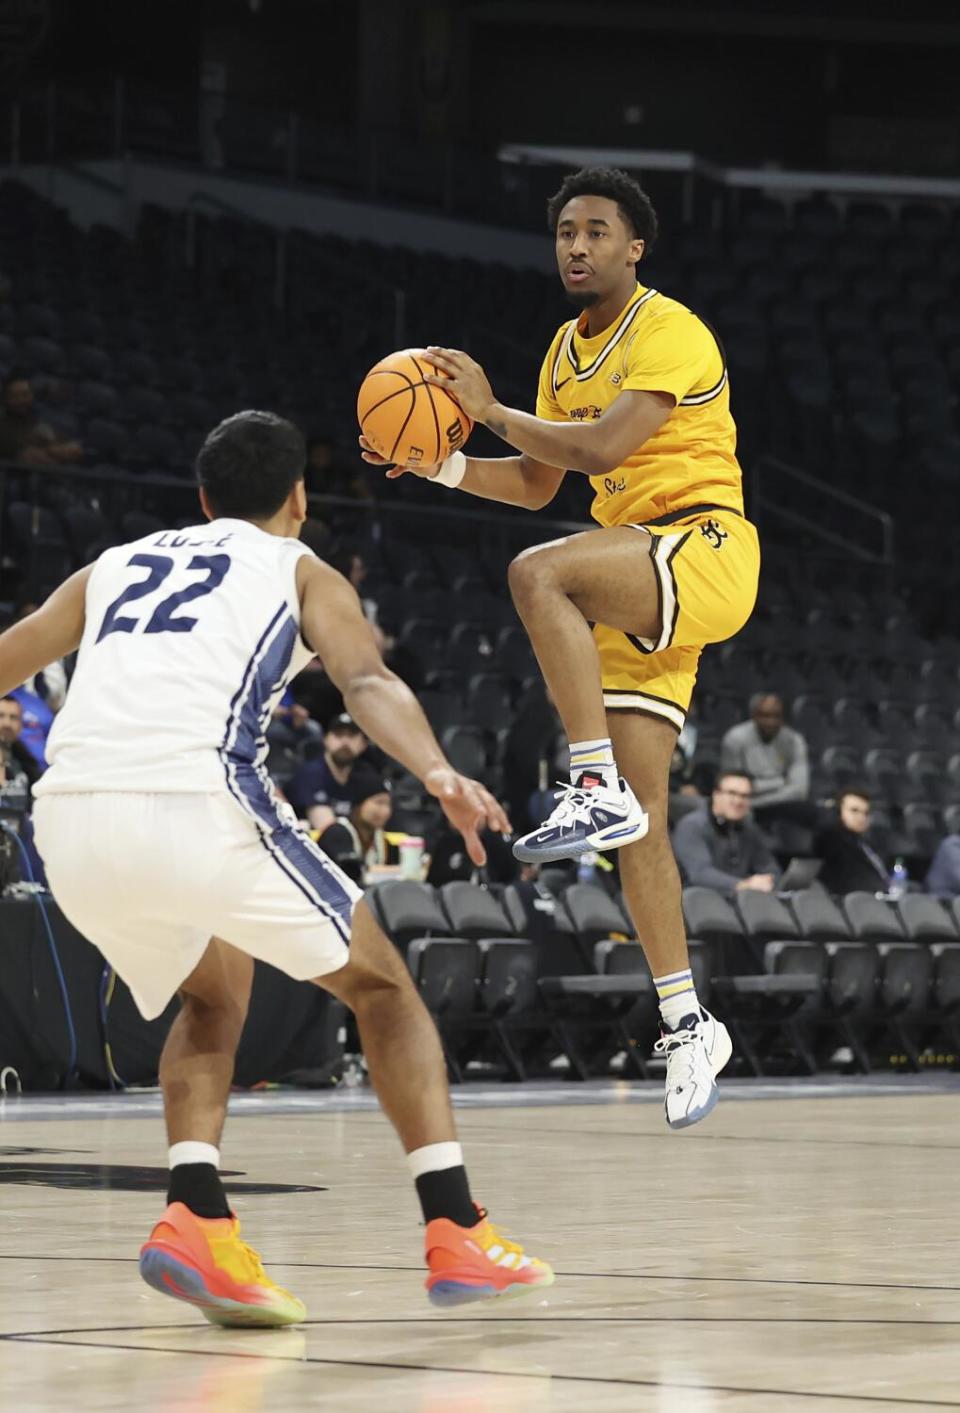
[
  {"x": 202, "y": 1260},
  {"x": 478, "y": 1263}
]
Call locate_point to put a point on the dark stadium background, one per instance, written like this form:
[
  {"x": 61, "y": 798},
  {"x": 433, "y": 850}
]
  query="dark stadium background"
[{"x": 211, "y": 206}]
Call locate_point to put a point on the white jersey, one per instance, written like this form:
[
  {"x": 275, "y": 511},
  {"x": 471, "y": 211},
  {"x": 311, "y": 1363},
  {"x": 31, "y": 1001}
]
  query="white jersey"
[{"x": 191, "y": 637}]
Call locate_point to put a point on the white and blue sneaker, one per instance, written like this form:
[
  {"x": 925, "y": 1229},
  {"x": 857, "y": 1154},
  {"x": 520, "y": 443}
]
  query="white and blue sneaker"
[
  {"x": 585, "y": 821},
  {"x": 696, "y": 1053}
]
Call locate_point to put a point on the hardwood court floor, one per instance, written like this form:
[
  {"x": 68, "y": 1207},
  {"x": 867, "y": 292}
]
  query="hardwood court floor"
[{"x": 799, "y": 1250}]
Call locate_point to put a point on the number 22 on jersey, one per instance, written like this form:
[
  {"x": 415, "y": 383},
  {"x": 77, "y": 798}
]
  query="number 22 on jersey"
[{"x": 159, "y": 567}]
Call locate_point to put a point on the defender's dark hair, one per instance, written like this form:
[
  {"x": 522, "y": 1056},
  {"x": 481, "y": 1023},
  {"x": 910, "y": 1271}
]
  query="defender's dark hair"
[
  {"x": 858, "y": 790},
  {"x": 250, "y": 464},
  {"x": 634, "y": 204}
]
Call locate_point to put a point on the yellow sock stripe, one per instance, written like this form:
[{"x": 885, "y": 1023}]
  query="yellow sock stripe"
[{"x": 675, "y": 988}]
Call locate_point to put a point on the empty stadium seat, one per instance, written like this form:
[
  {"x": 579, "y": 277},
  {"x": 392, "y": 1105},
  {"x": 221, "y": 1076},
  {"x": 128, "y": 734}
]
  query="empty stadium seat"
[
  {"x": 818, "y": 917},
  {"x": 871, "y": 919},
  {"x": 445, "y": 972},
  {"x": 474, "y": 912},
  {"x": 925, "y": 919},
  {"x": 594, "y": 914},
  {"x": 406, "y": 909},
  {"x": 906, "y": 974}
]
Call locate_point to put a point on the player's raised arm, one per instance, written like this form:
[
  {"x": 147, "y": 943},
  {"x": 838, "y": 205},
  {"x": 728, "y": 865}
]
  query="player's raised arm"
[
  {"x": 332, "y": 623},
  {"x": 53, "y": 631}
]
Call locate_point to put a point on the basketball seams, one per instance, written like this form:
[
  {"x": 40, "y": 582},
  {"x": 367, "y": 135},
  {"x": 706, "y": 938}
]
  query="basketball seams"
[
  {"x": 410, "y": 431},
  {"x": 433, "y": 409}
]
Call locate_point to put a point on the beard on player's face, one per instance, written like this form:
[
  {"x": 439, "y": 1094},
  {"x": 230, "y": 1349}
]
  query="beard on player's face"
[{"x": 582, "y": 299}]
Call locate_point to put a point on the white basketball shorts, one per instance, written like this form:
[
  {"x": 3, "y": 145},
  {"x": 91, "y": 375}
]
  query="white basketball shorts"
[{"x": 149, "y": 879}]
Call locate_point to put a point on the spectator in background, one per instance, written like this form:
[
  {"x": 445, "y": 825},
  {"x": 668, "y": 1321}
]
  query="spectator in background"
[
  {"x": 358, "y": 841},
  {"x": 944, "y": 875},
  {"x": 327, "y": 473},
  {"x": 13, "y": 753},
  {"x": 36, "y": 720},
  {"x": 50, "y": 684},
  {"x": 850, "y": 863},
  {"x": 720, "y": 847},
  {"x": 23, "y": 437},
  {"x": 535, "y": 754},
  {"x": 351, "y": 564},
  {"x": 320, "y": 790},
  {"x": 775, "y": 758},
  {"x": 450, "y": 862},
  {"x": 18, "y": 770},
  {"x": 684, "y": 797}
]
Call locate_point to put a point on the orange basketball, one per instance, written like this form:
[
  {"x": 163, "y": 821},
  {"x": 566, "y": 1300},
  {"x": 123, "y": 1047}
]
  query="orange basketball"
[{"x": 406, "y": 419}]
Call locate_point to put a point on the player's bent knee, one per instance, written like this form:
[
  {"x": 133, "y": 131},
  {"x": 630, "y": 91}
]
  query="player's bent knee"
[{"x": 530, "y": 571}]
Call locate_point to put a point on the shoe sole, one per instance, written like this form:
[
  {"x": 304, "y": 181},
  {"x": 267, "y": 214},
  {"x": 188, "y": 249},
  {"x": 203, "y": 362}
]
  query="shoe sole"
[
  {"x": 604, "y": 841},
  {"x": 719, "y": 1057},
  {"x": 447, "y": 1293},
  {"x": 161, "y": 1270}
]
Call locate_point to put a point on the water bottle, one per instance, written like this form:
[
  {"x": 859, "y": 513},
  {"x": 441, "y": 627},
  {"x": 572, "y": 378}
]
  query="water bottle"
[
  {"x": 898, "y": 879},
  {"x": 587, "y": 868}
]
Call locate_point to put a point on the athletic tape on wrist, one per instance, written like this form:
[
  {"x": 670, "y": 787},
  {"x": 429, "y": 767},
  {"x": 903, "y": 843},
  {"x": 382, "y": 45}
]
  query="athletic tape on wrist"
[{"x": 452, "y": 471}]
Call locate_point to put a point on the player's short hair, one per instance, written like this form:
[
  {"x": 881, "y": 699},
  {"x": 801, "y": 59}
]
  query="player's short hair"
[
  {"x": 250, "y": 463},
  {"x": 634, "y": 204},
  {"x": 857, "y": 791}
]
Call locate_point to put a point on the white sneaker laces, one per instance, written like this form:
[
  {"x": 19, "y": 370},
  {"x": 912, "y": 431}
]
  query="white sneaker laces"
[
  {"x": 571, "y": 801},
  {"x": 679, "y": 1046}
]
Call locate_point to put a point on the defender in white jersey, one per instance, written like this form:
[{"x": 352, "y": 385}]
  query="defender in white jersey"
[{"x": 166, "y": 845}]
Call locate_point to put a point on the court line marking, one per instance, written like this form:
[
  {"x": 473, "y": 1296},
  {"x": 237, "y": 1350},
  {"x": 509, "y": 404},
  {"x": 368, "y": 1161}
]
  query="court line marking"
[
  {"x": 485, "y": 1095},
  {"x": 636, "y": 1135},
  {"x": 445, "y": 1319},
  {"x": 494, "y": 1373},
  {"x": 567, "y": 1275}
]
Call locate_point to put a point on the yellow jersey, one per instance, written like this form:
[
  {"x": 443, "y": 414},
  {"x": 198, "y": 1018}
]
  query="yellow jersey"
[{"x": 654, "y": 345}]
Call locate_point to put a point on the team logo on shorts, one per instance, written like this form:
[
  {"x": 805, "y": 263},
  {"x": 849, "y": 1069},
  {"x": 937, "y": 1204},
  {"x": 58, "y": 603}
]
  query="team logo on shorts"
[{"x": 713, "y": 532}]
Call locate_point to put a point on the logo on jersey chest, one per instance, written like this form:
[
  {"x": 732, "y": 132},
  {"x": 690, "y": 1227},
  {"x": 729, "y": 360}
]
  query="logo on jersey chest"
[
  {"x": 617, "y": 379},
  {"x": 585, "y": 414},
  {"x": 613, "y": 485},
  {"x": 714, "y": 533}
]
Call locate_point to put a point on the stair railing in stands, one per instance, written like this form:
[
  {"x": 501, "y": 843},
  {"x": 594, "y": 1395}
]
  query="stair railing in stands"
[
  {"x": 493, "y": 533},
  {"x": 770, "y": 478}
]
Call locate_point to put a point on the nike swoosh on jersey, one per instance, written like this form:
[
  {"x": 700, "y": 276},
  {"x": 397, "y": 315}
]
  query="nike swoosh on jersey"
[{"x": 563, "y": 384}]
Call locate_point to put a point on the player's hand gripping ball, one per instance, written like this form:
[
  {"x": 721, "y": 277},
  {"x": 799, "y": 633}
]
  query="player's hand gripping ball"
[{"x": 405, "y": 417}]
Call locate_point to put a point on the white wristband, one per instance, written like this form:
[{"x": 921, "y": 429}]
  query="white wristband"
[{"x": 452, "y": 471}]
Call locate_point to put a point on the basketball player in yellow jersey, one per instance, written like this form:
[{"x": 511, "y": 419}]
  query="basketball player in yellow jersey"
[{"x": 633, "y": 394}]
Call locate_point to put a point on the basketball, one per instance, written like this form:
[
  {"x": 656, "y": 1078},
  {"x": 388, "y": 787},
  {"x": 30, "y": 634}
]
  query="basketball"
[{"x": 406, "y": 419}]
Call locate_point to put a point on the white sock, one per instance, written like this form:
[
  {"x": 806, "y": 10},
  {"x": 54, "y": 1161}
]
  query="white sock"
[
  {"x": 433, "y": 1158},
  {"x": 592, "y": 764},
  {"x": 193, "y": 1153},
  {"x": 677, "y": 996}
]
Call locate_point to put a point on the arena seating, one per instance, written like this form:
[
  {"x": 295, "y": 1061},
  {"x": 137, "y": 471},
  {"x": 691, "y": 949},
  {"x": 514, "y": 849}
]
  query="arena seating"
[
  {"x": 796, "y": 977},
  {"x": 844, "y": 351}
]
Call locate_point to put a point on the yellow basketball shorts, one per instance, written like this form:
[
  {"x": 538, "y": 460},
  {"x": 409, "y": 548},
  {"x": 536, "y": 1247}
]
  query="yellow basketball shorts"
[{"x": 707, "y": 564}]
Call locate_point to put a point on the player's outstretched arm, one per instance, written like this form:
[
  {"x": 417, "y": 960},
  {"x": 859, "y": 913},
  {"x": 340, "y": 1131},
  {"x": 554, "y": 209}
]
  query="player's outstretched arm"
[
  {"x": 512, "y": 480},
  {"x": 332, "y": 623},
  {"x": 53, "y": 631}
]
